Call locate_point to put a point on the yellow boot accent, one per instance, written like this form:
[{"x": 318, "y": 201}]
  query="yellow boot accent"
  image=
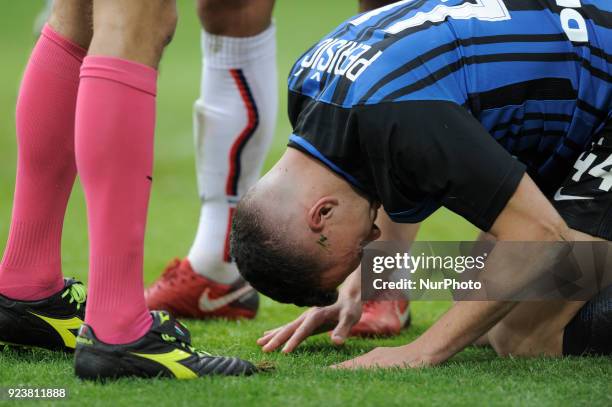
[
  {"x": 63, "y": 327},
  {"x": 170, "y": 360}
]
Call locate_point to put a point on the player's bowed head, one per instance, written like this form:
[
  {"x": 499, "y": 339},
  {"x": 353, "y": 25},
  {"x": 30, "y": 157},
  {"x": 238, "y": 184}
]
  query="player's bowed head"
[{"x": 300, "y": 231}]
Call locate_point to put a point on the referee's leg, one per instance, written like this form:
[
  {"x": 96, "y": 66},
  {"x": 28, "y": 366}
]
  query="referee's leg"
[{"x": 114, "y": 128}]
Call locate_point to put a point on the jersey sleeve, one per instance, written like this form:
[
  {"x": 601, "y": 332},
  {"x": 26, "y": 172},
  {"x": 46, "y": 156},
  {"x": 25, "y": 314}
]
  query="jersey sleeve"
[{"x": 436, "y": 152}]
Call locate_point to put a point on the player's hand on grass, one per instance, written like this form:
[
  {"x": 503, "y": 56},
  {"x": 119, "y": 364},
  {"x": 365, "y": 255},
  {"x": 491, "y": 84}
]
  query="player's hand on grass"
[
  {"x": 340, "y": 317},
  {"x": 407, "y": 356}
]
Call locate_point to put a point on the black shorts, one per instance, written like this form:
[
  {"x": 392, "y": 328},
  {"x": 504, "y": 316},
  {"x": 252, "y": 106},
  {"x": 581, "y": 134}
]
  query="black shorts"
[
  {"x": 585, "y": 197},
  {"x": 590, "y": 331}
]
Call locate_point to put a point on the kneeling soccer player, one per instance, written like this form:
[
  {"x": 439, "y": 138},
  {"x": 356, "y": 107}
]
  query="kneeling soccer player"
[
  {"x": 87, "y": 104},
  {"x": 234, "y": 121},
  {"x": 422, "y": 105}
]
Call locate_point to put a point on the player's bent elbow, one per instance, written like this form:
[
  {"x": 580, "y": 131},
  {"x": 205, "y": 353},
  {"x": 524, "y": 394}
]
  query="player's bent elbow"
[
  {"x": 552, "y": 229},
  {"x": 529, "y": 216}
]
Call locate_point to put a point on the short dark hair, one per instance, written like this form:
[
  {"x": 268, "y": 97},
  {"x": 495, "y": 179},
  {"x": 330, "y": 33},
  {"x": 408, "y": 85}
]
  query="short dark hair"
[{"x": 272, "y": 264}]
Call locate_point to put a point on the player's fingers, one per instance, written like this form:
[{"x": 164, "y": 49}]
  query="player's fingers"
[
  {"x": 307, "y": 328},
  {"x": 342, "y": 330},
  {"x": 278, "y": 339},
  {"x": 270, "y": 333},
  {"x": 281, "y": 336},
  {"x": 266, "y": 337}
]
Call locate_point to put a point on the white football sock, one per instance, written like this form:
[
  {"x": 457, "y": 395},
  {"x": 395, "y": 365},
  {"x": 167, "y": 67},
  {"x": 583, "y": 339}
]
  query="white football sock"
[{"x": 234, "y": 122}]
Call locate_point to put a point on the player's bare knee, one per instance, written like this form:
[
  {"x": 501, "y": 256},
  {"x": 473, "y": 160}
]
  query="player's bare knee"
[
  {"x": 557, "y": 228},
  {"x": 235, "y": 18}
]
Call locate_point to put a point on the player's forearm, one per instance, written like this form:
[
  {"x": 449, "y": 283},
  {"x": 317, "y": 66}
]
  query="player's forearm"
[
  {"x": 458, "y": 328},
  {"x": 352, "y": 285},
  {"x": 529, "y": 221},
  {"x": 508, "y": 271}
]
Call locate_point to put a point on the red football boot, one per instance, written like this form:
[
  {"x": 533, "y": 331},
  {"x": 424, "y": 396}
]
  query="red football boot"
[
  {"x": 382, "y": 318},
  {"x": 186, "y": 294}
]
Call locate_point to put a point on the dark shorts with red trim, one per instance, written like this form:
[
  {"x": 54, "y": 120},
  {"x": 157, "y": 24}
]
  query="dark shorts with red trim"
[{"x": 585, "y": 197}]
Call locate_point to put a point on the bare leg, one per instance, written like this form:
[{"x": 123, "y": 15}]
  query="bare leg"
[
  {"x": 136, "y": 30},
  {"x": 30, "y": 269},
  {"x": 31, "y": 264},
  {"x": 72, "y": 19},
  {"x": 234, "y": 122},
  {"x": 534, "y": 328},
  {"x": 115, "y": 123},
  {"x": 235, "y": 118}
]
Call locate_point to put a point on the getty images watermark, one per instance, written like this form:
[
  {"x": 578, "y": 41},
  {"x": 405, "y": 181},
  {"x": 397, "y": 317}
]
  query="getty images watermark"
[{"x": 483, "y": 270}]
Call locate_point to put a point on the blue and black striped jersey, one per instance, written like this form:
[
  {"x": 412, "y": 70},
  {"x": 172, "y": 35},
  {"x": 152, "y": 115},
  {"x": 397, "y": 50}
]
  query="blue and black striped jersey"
[{"x": 533, "y": 75}]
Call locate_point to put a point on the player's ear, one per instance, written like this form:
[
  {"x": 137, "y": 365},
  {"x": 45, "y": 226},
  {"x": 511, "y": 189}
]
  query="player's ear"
[{"x": 320, "y": 212}]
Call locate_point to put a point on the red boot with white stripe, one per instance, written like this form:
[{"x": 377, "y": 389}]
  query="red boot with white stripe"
[{"x": 186, "y": 294}]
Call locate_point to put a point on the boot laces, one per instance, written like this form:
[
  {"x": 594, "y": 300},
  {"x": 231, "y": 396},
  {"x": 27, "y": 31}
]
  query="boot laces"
[
  {"x": 193, "y": 349},
  {"x": 76, "y": 293}
]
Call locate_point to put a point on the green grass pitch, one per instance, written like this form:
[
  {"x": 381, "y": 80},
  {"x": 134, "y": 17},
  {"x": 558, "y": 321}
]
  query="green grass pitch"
[{"x": 474, "y": 377}]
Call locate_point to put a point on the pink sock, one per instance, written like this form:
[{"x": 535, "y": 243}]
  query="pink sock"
[
  {"x": 115, "y": 123},
  {"x": 31, "y": 265}
]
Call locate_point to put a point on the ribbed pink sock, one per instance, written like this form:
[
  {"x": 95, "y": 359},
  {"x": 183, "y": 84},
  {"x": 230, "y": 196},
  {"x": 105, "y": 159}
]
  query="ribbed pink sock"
[
  {"x": 115, "y": 123},
  {"x": 31, "y": 265}
]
